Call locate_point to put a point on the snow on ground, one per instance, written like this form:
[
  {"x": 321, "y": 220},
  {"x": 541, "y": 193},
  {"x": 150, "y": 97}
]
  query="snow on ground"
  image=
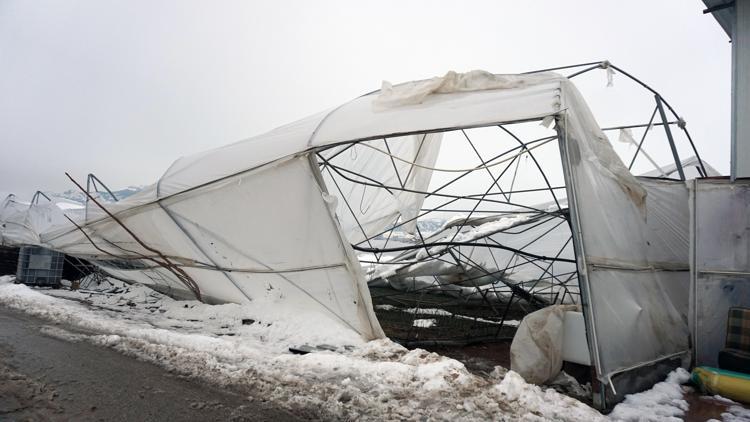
[
  {"x": 736, "y": 413},
  {"x": 663, "y": 402},
  {"x": 247, "y": 349},
  {"x": 425, "y": 323},
  {"x": 443, "y": 312}
]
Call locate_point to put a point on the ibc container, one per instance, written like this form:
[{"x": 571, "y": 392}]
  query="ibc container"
[{"x": 39, "y": 266}]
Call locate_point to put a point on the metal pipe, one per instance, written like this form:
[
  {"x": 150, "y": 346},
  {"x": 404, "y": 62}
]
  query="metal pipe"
[
  {"x": 674, "y": 122},
  {"x": 35, "y": 198},
  {"x": 480, "y": 245},
  {"x": 643, "y": 138},
  {"x": 672, "y": 146},
  {"x": 550, "y": 69}
]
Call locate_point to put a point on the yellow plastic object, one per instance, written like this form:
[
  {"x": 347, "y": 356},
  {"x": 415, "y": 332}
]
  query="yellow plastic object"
[{"x": 729, "y": 384}]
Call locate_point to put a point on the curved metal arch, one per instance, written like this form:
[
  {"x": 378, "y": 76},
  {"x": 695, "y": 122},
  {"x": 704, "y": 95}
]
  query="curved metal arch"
[
  {"x": 95, "y": 182},
  {"x": 606, "y": 64},
  {"x": 35, "y": 198}
]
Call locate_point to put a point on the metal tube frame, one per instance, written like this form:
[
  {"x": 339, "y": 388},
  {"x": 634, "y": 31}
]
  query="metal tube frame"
[
  {"x": 558, "y": 282},
  {"x": 551, "y": 285}
]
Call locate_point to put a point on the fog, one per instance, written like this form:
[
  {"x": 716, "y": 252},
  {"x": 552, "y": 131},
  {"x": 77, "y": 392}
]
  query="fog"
[{"x": 122, "y": 89}]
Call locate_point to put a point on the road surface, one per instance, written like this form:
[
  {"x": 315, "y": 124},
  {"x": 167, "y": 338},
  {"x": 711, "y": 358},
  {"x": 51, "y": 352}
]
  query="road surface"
[{"x": 48, "y": 379}]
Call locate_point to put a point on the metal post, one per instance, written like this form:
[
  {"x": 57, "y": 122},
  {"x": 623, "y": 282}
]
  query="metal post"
[
  {"x": 91, "y": 179},
  {"x": 676, "y": 156}
]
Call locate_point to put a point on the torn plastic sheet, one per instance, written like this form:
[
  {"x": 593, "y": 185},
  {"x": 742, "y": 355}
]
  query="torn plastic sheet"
[
  {"x": 452, "y": 82},
  {"x": 626, "y": 137}
]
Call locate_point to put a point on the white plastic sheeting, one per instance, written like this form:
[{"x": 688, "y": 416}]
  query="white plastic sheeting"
[
  {"x": 359, "y": 119},
  {"x": 22, "y": 223},
  {"x": 264, "y": 236},
  {"x": 413, "y": 156},
  {"x": 536, "y": 352},
  {"x": 247, "y": 224},
  {"x": 13, "y": 222},
  {"x": 476, "y": 80},
  {"x": 252, "y": 221},
  {"x": 633, "y": 235}
]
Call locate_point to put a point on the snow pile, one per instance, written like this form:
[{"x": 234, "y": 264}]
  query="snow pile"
[
  {"x": 664, "y": 402},
  {"x": 736, "y": 413},
  {"x": 246, "y": 350},
  {"x": 549, "y": 404},
  {"x": 262, "y": 325}
]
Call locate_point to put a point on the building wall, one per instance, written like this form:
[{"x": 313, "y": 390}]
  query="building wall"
[{"x": 720, "y": 270}]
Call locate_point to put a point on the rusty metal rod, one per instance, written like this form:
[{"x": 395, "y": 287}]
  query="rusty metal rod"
[{"x": 167, "y": 264}]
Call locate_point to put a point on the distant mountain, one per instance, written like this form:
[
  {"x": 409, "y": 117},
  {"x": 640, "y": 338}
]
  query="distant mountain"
[
  {"x": 80, "y": 197},
  {"x": 128, "y": 191},
  {"x": 430, "y": 225}
]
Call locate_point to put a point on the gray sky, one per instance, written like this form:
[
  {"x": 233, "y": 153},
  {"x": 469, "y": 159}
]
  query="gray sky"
[{"x": 124, "y": 88}]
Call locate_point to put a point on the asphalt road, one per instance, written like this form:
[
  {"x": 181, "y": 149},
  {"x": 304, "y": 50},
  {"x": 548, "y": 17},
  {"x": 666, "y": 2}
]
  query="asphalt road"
[{"x": 44, "y": 378}]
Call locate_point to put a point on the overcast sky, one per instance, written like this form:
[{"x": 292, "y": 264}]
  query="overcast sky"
[{"x": 124, "y": 88}]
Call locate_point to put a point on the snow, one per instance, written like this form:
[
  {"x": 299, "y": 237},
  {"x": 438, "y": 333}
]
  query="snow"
[
  {"x": 736, "y": 414},
  {"x": 469, "y": 235},
  {"x": 723, "y": 399},
  {"x": 69, "y": 205},
  {"x": 489, "y": 228},
  {"x": 548, "y": 404},
  {"x": 425, "y": 323},
  {"x": 663, "y": 402},
  {"x": 386, "y": 307},
  {"x": 246, "y": 349},
  {"x": 443, "y": 312}
]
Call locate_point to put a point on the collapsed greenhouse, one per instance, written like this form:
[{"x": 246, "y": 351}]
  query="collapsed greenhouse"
[{"x": 436, "y": 210}]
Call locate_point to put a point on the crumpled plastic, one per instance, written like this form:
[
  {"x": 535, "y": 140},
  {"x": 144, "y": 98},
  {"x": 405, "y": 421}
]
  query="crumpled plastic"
[
  {"x": 476, "y": 80},
  {"x": 536, "y": 350}
]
